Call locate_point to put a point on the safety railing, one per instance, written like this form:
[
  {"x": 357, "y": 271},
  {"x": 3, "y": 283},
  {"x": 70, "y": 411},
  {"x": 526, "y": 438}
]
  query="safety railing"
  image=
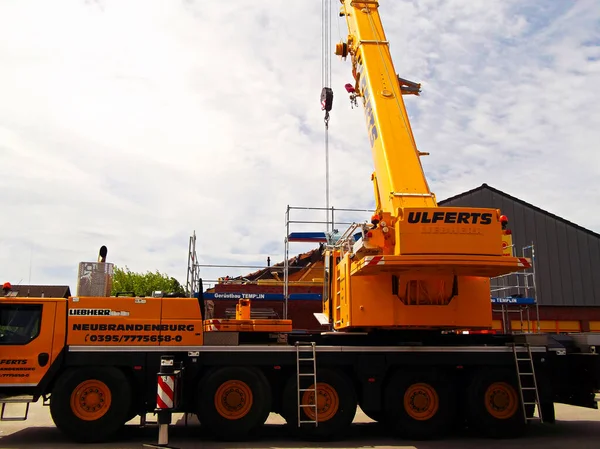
[
  {"x": 334, "y": 217},
  {"x": 516, "y": 292}
]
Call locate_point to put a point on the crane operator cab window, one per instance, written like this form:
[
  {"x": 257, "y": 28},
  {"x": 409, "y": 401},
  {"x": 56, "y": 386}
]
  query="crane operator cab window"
[{"x": 19, "y": 323}]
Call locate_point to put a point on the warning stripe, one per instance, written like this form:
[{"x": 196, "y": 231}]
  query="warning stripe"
[
  {"x": 524, "y": 262},
  {"x": 375, "y": 260},
  {"x": 214, "y": 325},
  {"x": 160, "y": 404},
  {"x": 166, "y": 386}
]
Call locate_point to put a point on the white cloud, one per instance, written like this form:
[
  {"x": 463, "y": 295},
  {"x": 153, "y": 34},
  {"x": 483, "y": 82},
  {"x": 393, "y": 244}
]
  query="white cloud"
[{"x": 132, "y": 123}]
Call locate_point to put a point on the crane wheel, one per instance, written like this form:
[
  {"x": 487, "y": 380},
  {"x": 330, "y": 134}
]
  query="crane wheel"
[
  {"x": 494, "y": 404},
  {"x": 233, "y": 402},
  {"x": 419, "y": 405},
  {"x": 336, "y": 405},
  {"x": 90, "y": 404}
]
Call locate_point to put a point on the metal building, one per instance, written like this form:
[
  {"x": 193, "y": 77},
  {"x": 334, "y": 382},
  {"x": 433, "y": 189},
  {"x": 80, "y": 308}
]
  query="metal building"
[{"x": 567, "y": 258}]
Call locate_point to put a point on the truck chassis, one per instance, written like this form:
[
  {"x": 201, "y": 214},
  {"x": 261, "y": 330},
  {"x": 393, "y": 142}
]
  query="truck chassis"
[{"x": 417, "y": 384}]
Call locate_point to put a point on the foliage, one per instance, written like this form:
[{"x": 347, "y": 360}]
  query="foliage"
[{"x": 143, "y": 284}]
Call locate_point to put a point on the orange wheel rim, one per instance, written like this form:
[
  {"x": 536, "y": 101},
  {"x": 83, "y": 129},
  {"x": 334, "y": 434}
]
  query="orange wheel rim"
[
  {"x": 421, "y": 401},
  {"x": 233, "y": 399},
  {"x": 328, "y": 402},
  {"x": 501, "y": 400},
  {"x": 91, "y": 400}
]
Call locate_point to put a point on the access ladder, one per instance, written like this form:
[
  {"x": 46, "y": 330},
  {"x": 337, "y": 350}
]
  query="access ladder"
[
  {"x": 526, "y": 378},
  {"x": 306, "y": 370},
  {"x": 4, "y": 400}
]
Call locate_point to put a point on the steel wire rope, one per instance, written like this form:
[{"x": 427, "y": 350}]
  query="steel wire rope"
[{"x": 326, "y": 82}]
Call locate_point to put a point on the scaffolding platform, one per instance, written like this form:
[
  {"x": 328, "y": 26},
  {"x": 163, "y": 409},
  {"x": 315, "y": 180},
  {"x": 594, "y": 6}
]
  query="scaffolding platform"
[
  {"x": 308, "y": 237},
  {"x": 515, "y": 293},
  {"x": 511, "y": 300}
]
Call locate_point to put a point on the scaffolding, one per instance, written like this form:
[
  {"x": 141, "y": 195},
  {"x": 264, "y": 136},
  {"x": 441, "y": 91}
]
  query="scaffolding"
[
  {"x": 192, "y": 284},
  {"x": 516, "y": 293},
  {"x": 327, "y": 237},
  {"x": 193, "y": 281}
]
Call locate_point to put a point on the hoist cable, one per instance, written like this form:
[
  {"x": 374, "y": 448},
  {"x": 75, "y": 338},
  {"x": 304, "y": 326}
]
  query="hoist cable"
[{"x": 326, "y": 84}]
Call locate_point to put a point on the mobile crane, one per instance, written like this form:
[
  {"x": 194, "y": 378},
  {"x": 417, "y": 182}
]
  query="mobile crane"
[{"x": 398, "y": 288}]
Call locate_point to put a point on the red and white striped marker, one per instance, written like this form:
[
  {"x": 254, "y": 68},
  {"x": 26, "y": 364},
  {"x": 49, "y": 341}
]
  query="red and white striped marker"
[
  {"x": 374, "y": 260},
  {"x": 523, "y": 262},
  {"x": 213, "y": 325},
  {"x": 166, "y": 392}
]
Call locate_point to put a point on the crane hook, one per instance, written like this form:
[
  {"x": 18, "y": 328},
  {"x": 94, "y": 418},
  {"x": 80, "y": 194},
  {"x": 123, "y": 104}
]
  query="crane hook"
[{"x": 326, "y": 102}]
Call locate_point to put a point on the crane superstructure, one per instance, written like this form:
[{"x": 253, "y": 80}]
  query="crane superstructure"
[{"x": 416, "y": 264}]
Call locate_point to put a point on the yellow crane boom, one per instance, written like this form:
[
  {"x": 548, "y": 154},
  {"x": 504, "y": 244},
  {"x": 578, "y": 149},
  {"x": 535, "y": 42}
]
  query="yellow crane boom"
[
  {"x": 417, "y": 264},
  {"x": 400, "y": 180}
]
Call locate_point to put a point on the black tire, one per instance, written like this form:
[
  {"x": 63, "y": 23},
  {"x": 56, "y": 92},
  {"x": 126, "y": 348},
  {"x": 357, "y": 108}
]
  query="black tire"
[
  {"x": 102, "y": 382},
  {"x": 334, "y": 418},
  {"x": 419, "y": 405},
  {"x": 245, "y": 388},
  {"x": 495, "y": 409}
]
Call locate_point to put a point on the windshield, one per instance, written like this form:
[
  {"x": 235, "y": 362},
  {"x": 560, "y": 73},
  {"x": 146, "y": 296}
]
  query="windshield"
[{"x": 19, "y": 323}]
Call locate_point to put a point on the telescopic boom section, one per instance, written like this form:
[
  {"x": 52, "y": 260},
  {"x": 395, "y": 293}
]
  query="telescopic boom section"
[{"x": 400, "y": 180}]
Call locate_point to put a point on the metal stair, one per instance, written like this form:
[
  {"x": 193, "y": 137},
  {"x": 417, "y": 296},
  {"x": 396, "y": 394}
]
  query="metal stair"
[
  {"x": 306, "y": 367},
  {"x": 528, "y": 388},
  {"x": 4, "y": 400}
]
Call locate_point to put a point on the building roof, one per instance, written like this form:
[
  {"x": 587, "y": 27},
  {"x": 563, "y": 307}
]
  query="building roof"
[
  {"x": 275, "y": 272},
  {"x": 38, "y": 291},
  {"x": 485, "y": 186}
]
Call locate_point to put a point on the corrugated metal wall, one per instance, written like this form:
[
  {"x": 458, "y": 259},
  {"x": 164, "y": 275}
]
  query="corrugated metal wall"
[{"x": 567, "y": 257}]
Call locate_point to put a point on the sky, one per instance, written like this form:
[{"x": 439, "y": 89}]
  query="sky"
[{"x": 133, "y": 124}]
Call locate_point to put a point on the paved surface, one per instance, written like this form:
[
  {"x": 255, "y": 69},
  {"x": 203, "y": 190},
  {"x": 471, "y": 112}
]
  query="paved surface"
[{"x": 575, "y": 428}]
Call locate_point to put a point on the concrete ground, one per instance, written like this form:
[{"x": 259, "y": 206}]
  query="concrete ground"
[{"x": 575, "y": 428}]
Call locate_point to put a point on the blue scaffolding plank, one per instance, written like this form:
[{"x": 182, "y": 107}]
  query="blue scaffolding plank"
[
  {"x": 317, "y": 297},
  {"x": 511, "y": 300},
  {"x": 262, "y": 296},
  {"x": 307, "y": 237}
]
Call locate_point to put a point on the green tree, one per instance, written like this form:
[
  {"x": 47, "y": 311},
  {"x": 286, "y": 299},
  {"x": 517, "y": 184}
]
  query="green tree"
[{"x": 143, "y": 284}]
